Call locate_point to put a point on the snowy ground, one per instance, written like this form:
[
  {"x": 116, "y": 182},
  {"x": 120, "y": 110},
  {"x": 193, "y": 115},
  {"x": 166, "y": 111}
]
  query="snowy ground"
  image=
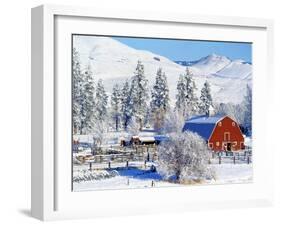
[{"x": 137, "y": 176}]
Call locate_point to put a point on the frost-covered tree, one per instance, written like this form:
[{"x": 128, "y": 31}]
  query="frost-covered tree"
[
  {"x": 174, "y": 122},
  {"x": 126, "y": 104},
  {"x": 99, "y": 131},
  {"x": 235, "y": 111},
  {"x": 139, "y": 94},
  {"x": 206, "y": 98},
  {"x": 116, "y": 106},
  {"x": 88, "y": 101},
  {"x": 186, "y": 99},
  {"x": 101, "y": 101},
  {"x": 185, "y": 157},
  {"x": 133, "y": 127},
  {"x": 248, "y": 111},
  {"x": 159, "y": 99},
  {"x": 77, "y": 89}
]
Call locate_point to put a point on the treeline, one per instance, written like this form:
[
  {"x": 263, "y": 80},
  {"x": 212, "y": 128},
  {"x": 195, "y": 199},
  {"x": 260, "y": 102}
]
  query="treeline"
[{"x": 132, "y": 105}]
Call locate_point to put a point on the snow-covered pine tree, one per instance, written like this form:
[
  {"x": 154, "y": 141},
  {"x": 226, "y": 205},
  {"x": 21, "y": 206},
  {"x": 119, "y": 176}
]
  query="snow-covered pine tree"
[
  {"x": 127, "y": 106},
  {"x": 160, "y": 92},
  {"x": 116, "y": 106},
  {"x": 180, "y": 96},
  {"x": 190, "y": 98},
  {"x": 186, "y": 99},
  {"x": 139, "y": 94},
  {"x": 206, "y": 98},
  {"x": 88, "y": 101},
  {"x": 76, "y": 94},
  {"x": 248, "y": 111},
  {"x": 101, "y": 101},
  {"x": 159, "y": 99}
]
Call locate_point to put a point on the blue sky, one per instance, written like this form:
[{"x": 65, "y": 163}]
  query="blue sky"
[{"x": 190, "y": 50}]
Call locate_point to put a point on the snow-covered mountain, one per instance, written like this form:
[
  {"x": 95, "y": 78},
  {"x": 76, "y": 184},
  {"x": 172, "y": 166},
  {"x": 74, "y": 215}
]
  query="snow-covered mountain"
[
  {"x": 210, "y": 64},
  {"x": 114, "y": 62}
]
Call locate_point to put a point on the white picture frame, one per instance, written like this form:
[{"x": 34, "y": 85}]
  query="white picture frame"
[{"x": 51, "y": 189}]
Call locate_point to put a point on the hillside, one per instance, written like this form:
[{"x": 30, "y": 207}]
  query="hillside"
[{"x": 115, "y": 62}]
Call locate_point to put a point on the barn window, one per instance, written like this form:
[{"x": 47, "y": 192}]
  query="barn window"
[
  {"x": 220, "y": 124},
  {"x": 226, "y": 136},
  {"x": 218, "y": 143},
  {"x": 233, "y": 123},
  {"x": 211, "y": 145}
]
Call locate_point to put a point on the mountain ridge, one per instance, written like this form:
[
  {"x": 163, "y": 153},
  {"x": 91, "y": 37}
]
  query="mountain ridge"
[{"x": 114, "y": 62}]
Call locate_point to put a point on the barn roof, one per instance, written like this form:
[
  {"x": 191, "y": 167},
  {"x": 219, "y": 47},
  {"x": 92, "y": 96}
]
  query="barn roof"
[{"x": 202, "y": 125}]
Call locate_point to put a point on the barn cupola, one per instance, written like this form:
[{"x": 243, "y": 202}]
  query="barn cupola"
[{"x": 211, "y": 111}]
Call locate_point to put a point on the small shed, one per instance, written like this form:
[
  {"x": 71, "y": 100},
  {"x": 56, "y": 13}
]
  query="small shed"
[{"x": 222, "y": 133}]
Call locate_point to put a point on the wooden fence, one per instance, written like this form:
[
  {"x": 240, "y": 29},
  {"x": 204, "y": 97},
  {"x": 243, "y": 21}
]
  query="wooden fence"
[{"x": 235, "y": 158}]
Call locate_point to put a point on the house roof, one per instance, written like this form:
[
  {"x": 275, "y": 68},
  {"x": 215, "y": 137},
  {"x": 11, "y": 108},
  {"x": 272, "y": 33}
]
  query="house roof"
[{"x": 202, "y": 125}]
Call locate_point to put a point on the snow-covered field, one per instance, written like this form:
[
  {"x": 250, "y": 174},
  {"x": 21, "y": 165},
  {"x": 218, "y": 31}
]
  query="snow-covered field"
[{"x": 137, "y": 176}]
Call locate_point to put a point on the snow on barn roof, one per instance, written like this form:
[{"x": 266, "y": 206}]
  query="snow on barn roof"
[{"x": 202, "y": 125}]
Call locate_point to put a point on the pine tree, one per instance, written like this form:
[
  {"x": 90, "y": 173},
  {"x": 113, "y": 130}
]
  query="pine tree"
[
  {"x": 126, "y": 104},
  {"x": 159, "y": 99},
  {"x": 180, "y": 97},
  {"x": 88, "y": 101},
  {"x": 76, "y": 94},
  {"x": 186, "y": 99},
  {"x": 206, "y": 99},
  {"x": 139, "y": 94},
  {"x": 116, "y": 105},
  {"x": 101, "y": 101},
  {"x": 248, "y": 111},
  {"x": 160, "y": 92},
  {"x": 190, "y": 98}
]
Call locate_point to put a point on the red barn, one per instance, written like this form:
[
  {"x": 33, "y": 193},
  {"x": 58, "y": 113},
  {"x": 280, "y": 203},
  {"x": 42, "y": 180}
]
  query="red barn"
[{"x": 220, "y": 132}]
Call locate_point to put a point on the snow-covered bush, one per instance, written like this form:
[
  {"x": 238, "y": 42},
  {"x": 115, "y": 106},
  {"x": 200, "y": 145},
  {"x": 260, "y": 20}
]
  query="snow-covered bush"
[{"x": 185, "y": 157}]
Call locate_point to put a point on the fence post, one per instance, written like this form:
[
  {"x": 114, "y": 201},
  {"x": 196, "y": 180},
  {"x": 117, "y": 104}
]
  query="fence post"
[
  {"x": 90, "y": 166},
  {"x": 234, "y": 159},
  {"x": 248, "y": 159},
  {"x": 152, "y": 184},
  {"x": 109, "y": 165},
  {"x": 219, "y": 159},
  {"x": 127, "y": 164},
  {"x": 145, "y": 164}
]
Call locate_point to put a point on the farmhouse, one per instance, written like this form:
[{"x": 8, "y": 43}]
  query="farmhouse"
[{"x": 220, "y": 132}]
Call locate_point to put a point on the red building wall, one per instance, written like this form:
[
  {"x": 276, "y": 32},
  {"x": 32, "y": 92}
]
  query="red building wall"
[{"x": 226, "y": 136}]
